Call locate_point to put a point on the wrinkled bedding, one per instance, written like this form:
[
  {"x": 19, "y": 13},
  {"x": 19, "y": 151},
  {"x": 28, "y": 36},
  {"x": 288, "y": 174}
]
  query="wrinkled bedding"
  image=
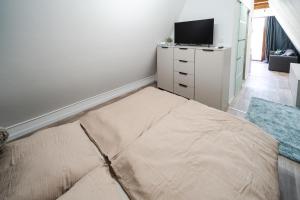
[
  {"x": 46, "y": 164},
  {"x": 98, "y": 184},
  {"x": 117, "y": 125},
  {"x": 160, "y": 147},
  {"x": 196, "y": 152}
]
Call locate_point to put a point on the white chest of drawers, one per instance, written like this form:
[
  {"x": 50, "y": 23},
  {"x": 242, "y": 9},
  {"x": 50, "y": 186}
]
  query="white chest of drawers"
[
  {"x": 197, "y": 73},
  {"x": 184, "y": 70}
]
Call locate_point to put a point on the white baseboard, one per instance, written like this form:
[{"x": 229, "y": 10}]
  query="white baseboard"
[{"x": 21, "y": 129}]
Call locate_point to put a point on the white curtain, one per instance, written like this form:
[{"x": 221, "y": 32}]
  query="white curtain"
[{"x": 287, "y": 12}]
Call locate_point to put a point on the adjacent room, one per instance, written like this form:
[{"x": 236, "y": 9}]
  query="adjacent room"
[
  {"x": 149, "y": 100},
  {"x": 272, "y": 53}
]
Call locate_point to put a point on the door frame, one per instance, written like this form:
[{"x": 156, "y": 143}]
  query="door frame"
[{"x": 236, "y": 87}]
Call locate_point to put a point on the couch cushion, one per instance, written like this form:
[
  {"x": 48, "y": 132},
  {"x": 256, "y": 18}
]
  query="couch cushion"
[
  {"x": 289, "y": 52},
  {"x": 279, "y": 52},
  {"x": 117, "y": 125},
  {"x": 46, "y": 164}
]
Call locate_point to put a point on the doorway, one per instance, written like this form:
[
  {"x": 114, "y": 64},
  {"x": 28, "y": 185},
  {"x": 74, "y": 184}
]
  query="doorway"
[
  {"x": 261, "y": 82},
  {"x": 241, "y": 47},
  {"x": 258, "y": 37}
]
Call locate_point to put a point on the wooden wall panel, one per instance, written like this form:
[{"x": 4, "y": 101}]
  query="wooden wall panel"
[{"x": 261, "y": 4}]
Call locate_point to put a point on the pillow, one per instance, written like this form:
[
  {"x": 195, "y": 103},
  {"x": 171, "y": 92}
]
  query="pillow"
[
  {"x": 278, "y": 52},
  {"x": 46, "y": 164},
  {"x": 3, "y": 136},
  {"x": 117, "y": 125},
  {"x": 98, "y": 184},
  {"x": 289, "y": 52}
]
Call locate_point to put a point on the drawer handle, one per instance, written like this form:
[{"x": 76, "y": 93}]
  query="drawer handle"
[
  {"x": 182, "y": 85},
  {"x": 183, "y": 48},
  {"x": 182, "y": 73},
  {"x": 165, "y": 47},
  {"x": 183, "y": 61},
  {"x": 209, "y": 50}
]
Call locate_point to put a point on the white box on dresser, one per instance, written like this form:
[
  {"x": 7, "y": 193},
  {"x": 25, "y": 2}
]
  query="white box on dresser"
[
  {"x": 199, "y": 73},
  {"x": 294, "y": 82}
]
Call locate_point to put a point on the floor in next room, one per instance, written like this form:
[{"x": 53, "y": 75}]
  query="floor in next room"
[
  {"x": 272, "y": 86},
  {"x": 262, "y": 83}
]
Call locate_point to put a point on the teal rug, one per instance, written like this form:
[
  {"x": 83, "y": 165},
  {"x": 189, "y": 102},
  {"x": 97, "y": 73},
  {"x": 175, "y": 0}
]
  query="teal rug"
[{"x": 282, "y": 122}]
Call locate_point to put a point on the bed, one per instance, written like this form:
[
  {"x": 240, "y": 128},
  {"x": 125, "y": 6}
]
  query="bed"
[{"x": 156, "y": 145}]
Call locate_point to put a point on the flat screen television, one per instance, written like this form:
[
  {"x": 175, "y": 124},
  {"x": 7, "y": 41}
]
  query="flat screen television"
[{"x": 200, "y": 32}]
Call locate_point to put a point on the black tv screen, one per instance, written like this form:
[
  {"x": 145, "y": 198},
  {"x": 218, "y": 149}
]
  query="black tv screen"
[{"x": 195, "y": 32}]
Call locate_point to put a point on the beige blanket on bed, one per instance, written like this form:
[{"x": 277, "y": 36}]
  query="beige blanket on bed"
[
  {"x": 196, "y": 152},
  {"x": 117, "y": 125},
  {"x": 96, "y": 185},
  {"x": 46, "y": 164}
]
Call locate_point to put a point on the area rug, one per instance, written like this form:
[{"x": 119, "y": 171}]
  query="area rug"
[{"x": 282, "y": 122}]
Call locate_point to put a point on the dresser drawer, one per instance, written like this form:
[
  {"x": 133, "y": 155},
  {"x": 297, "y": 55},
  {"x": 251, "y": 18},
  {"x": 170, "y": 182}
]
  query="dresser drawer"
[
  {"x": 184, "y": 90},
  {"x": 184, "y": 78},
  {"x": 184, "y": 54},
  {"x": 184, "y": 66}
]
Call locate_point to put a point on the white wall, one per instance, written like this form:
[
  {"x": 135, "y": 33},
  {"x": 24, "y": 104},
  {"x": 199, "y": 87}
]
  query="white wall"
[
  {"x": 221, "y": 11},
  {"x": 225, "y": 13},
  {"x": 248, "y": 3},
  {"x": 262, "y": 13},
  {"x": 56, "y": 52}
]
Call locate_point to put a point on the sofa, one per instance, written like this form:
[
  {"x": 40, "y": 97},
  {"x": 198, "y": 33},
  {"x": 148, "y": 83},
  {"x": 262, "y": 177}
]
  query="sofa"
[{"x": 281, "y": 63}]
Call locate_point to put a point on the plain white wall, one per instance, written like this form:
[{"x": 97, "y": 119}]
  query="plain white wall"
[
  {"x": 221, "y": 11},
  {"x": 56, "y": 52},
  {"x": 249, "y": 4}
]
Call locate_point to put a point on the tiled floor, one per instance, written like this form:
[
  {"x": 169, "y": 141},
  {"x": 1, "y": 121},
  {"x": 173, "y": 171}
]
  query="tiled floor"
[
  {"x": 272, "y": 86},
  {"x": 262, "y": 83}
]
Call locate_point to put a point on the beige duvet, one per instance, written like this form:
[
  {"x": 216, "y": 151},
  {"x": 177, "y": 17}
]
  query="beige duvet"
[
  {"x": 196, "y": 152},
  {"x": 116, "y": 126},
  {"x": 163, "y": 147},
  {"x": 96, "y": 185},
  {"x": 46, "y": 164}
]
